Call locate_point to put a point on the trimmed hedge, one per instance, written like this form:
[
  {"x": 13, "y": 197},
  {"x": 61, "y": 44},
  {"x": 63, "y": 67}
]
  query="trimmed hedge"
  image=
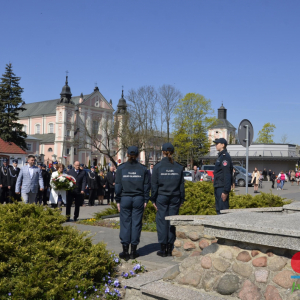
[
  {"x": 200, "y": 200},
  {"x": 42, "y": 259}
]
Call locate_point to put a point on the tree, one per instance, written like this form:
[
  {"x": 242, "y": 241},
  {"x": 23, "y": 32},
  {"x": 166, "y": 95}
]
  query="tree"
[
  {"x": 265, "y": 135},
  {"x": 10, "y": 105},
  {"x": 169, "y": 97},
  {"x": 284, "y": 139},
  {"x": 193, "y": 117}
]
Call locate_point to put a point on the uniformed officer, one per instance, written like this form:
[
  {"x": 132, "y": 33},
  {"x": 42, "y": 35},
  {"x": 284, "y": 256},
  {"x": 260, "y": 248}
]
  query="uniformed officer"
[
  {"x": 12, "y": 176},
  {"x": 81, "y": 167},
  {"x": 222, "y": 176},
  {"x": 132, "y": 195},
  {"x": 92, "y": 181},
  {"x": 41, "y": 196},
  {"x": 167, "y": 194},
  {"x": 4, "y": 182}
]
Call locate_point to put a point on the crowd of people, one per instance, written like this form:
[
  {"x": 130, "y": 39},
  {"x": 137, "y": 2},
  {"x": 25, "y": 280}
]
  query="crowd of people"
[{"x": 259, "y": 176}]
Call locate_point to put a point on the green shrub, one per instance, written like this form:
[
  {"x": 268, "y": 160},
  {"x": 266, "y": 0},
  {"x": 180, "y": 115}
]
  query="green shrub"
[
  {"x": 42, "y": 259},
  {"x": 113, "y": 210}
]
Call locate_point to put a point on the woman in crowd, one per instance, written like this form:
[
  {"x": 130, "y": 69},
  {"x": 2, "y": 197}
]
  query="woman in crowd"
[
  {"x": 283, "y": 177},
  {"x": 233, "y": 179},
  {"x": 273, "y": 178},
  {"x": 292, "y": 177},
  {"x": 57, "y": 196},
  {"x": 255, "y": 179},
  {"x": 101, "y": 187}
]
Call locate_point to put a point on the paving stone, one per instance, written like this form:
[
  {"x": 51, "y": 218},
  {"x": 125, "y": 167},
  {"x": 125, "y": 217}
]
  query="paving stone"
[
  {"x": 206, "y": 262},
  {"x": 189, "y": 245},
  {"x": 244, "y": 256},
  {"x": 228, "y": 284},
  {"x": 180, "y": 234},
  {"x": 226, "y": 254},
  {"x": 260, "y": 262},
  {"x": 261, "y": 275},
  {"x": 192, "y": 278},
  {"x": 172, "y": 273},
  {"x": 276, "y": 263},
  {"x": 210, "y": 249},
  {"x": 203, "y": 244},
  {"x": 249, "y": 291},
  {"x": 270, "y": 254},
  {"x": 284, "y": 279},
  {"x": 195, "y": 253},
  {"x": 220, "y": 264},
  {"x": 194, "y": 236},
  {"x": 177, "y": 244},
  {"x": 242, "y": 269},
  {"x": 254, "y": 253},
  {"x": 272, "y": 293}
]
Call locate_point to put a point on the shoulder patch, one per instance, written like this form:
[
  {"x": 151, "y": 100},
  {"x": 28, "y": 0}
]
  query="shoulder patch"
[{"x": 224, "y": 163}]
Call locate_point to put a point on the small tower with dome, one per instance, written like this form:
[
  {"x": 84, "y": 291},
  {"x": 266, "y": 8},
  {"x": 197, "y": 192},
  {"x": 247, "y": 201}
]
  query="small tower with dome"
[{"x": 222, "y": 128}]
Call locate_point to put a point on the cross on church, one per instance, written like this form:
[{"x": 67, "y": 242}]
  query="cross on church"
[
  {"x": 67, "y": 72},
  {"x": 96, "y": 83}
]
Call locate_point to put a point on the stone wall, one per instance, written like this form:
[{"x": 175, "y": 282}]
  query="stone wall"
[{"x": 230, "y": 270}]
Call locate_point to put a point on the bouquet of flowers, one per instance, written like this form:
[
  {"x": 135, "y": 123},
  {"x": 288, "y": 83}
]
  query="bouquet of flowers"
[{"x": 63, "y": 182}]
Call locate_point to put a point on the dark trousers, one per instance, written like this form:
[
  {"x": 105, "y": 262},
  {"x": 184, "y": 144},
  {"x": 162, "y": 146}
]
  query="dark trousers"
[
  {"x": 73, "y": 196},
  {"x": 13, "y": 195},
  {"x": 220, "y": 204},
  {"x": 131, "y": 215},
  {"x": 4, "y": 195},
  {"x": 273, "y": 181},
  {"x": 166, "y": 206},
  {"x": 41, "y": 197},
  {"x": 92, "y": 196},
  {"x": 111, "y": 195}
]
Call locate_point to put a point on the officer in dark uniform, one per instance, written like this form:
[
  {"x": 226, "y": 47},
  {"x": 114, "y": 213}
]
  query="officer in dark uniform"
[
  {"x": 222, "y": 176},
  {"x": 4, "y": 182},
  {"x": 92, "y": 181},
  {"x": 54, "y": 167},
  {"x": 81, "y": 167},
  {"x": 13, "y": 173},
  {"x": 132, "y": 195},
  {"x": 167, "y": 194}
]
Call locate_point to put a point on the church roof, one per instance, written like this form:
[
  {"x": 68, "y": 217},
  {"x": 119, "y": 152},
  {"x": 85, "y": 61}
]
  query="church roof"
[
  {"x": 222, "y": 123},
  {"x": 45, "y": 138},
  {"x": 47, "y": 107}
]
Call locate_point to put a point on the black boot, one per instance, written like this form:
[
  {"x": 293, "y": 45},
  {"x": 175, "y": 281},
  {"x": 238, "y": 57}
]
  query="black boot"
[
  {"x": 133, "y": 253},
  {"x": 163, "y": 251},
  {"x": 169, "y": 249},
  {"x": 125, "y": 254}
]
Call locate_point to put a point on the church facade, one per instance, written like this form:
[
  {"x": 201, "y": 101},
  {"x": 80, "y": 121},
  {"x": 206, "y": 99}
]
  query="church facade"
[{"x": 52, "y": 126}]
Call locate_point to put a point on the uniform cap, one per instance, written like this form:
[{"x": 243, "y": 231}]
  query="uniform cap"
[
  {"x": 44, "y": 166},
  {"x": 15, "y": 161},
  {"x": 92, "y": 167},
  {"x": 133, "y": 150},
  {"x": 55, "y": 163},
  {"x": 5, "y": 160},
  {"x": 69, "y": 166},
  {"x": 81, "y": 165},
  {"x": 40, "y": 164},
  {"x": 221, "y": 141},
  {"x": 167, "y": 147}
]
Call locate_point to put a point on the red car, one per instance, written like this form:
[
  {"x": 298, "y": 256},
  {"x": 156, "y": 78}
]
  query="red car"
[{"x": 209, "y": 170}]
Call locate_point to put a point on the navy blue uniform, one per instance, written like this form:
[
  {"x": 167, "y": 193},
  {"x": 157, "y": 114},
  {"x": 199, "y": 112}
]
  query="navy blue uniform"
[
  {"x": 132, "y": 191},
  {"x": 167, "y": 192},
  {"x": 222, "y": 179}
]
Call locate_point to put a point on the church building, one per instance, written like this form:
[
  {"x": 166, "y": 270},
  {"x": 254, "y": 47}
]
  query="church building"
[{"x": 52, "y": 125}]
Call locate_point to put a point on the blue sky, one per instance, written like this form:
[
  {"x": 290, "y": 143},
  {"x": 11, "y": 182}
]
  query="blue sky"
[{"x": 242, "y": 52}]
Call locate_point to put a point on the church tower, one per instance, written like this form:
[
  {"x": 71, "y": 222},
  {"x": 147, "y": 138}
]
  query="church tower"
[
  {"x": 119, "y": 116},
  {"x": 222, "y": 128}
]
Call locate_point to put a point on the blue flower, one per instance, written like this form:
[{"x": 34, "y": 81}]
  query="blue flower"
[
  {"x": 125, "y": 287},
  {"x": 108, "y": 273},
  {"x": 126, "y": 275},
  {"x": 97, "y": 296},
  {"x": 9, "y": 294},
  {"x": 79, "y": 292},
  {"x": 96, "y": 290},
  {"x": 116, "y": 283},
  {"x": 131, "y": 272},
  {"x": 116, "y": 260},
  {"x": 84, "y": 297},
  {"x": 137, "y": 267},
  {"x": 109, "y": 281},
  {"x": 107, "y": 290},
  {"x": 103, "y": 278},
  {"x": 76, "y": 286}
]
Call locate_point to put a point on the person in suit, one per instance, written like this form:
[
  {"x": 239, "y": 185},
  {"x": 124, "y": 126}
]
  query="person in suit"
[
  {"x": 101, "y": 187},
  {"x": 4, "y": 192},
  {"x": 196, "y": 175},
  {"x": 110, "y": 177},
  {"x": 77, "y": 192},
  {"x": 150, "y": 174},
  {"x": 92, "y": 181},
  {"x": 81, "y": 167},
  {"x": 42, "y": 195},
  {"x": 30, "y": 177},
  {"x": 13, "y": 173}
]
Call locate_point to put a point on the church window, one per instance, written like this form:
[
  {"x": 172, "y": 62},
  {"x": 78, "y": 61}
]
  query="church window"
[
  {"x": 95, "y": 127},
  {"x": 68, "y": 133},
  {"x": 37, "y": 129},
  {"x": 68, "y": 151},
  {"x": 29, "y": 147},
  {"x": 50, "y": 149},
  {"x": 75, "y": 151},
  {"x": 51, "y": 128}
]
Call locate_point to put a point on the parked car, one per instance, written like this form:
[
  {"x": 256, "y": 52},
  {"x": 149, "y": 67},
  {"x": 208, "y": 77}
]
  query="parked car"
[
  {"x": 209, "y": 178},
  {"x": 209, "y": 170},
  {"x": 187, "y": 175},
  {"x": 241, "y": 176}
]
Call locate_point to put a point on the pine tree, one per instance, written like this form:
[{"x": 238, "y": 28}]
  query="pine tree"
[{"x": 10, "y": 105}]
